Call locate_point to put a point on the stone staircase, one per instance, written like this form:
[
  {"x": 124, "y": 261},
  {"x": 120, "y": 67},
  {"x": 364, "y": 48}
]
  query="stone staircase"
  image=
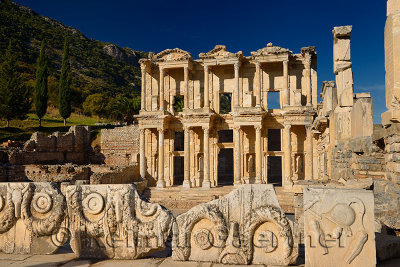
[{"x": 179, "y": 199}]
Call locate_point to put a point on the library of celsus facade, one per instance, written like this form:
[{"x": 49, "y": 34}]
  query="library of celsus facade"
[{"x": 227, "y": 118}]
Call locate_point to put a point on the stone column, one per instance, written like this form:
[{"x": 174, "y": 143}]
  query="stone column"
[
  {"x": 186, "y": 181},
  {"x": 142, "y": 154},
  {"x": 186, "y": 85},
  {"x": 286, "y": 82},
  {"x": 206, "y": 90},
  {"x": 237, "y": 98},
  {"x": 308, "y": 79},
  {"x": 288, "y": 154},
  {"x": 160, "y": 181},
  {"x": 143, "y": 95},
  {"x": 258, "y": 84},
  {"x": 206, "y": 158},
  {"x": 309, "y": 153},
  {"x": 237, "y": 157},
  {"x": 258, "y": 155},
  {"x": 162, "y": 73}
]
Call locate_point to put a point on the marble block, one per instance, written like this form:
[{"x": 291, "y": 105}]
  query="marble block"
[{"x": 339, "y": 227}]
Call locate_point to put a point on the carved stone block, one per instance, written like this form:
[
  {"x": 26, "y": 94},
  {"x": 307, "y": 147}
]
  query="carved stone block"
[
  {"x": 112, "y": 221},
  {"x": 339, "y": 227},
  {"x": 246, "y": 226},
  {"x": 32, "y": 218}
]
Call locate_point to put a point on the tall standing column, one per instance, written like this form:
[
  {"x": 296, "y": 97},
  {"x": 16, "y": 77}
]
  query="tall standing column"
[
  {"x": 143, "y": 94},
  {"x": 142, "y": 155},
  {"x": 206, "y": 158},
  {"x": 162, "y": 74},
  {"x": 308, "y": 79},
  {"x": 186, "y": 84},
  {"x": 286, "y": 82},
  {"x": 237, "y": 98},
  {"x": 258, "y": 155},
  {"x": 206, "y": 89},
  {"x": 309, "y": 153},
  {"x": 237, "y": 157},
  {"x": 258, "y": 84},
  {"x": 186, "y": 181},
  {"x": 288, "y": 155},
  {"x": 160, "y": 181}
]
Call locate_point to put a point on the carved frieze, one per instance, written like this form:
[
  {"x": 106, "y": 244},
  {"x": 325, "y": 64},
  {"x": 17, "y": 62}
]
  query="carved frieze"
[
  {"x": 112, "y": 221},
  {"x": 246, "y": 226},
  {"x": 32, "y": 218},
  {"x": 220, "y": 52},
  {"x": 339, "y": 227},
  {"x": 175, "y": 54}
]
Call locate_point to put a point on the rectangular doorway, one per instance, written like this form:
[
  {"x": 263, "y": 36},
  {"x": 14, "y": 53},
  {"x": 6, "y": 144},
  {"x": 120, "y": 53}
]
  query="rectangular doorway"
[
  {"x": 225, "y": 166},
  {"x": 274, "y": 170},
  {"x": 178, "y": 170}
]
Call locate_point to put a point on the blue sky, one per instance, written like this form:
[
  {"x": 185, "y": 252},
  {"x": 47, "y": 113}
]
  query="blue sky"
[{"x": 197, "y": 26}]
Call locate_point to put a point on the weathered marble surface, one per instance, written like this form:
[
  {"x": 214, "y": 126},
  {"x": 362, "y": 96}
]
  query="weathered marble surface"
[
  {"x": 112, "y": 221},
  {"x": 339, "y": 227},
  {"x": 246, "y": 226},
  {"x": 32, "y": 218}
]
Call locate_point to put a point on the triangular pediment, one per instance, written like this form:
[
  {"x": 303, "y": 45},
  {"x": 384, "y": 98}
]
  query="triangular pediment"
[{"x": 220, "y": 52}]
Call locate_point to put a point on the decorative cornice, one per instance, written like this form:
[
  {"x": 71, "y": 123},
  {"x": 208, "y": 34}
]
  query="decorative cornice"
[{"x": 220, "y": 52}]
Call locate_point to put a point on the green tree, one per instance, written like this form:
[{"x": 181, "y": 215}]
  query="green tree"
[
  {"x": 14, "y": 94},
  {"x": 64, "y": 91},
  {"x": 124, "y": 108},
  {"x": 97, "y": 104},
  {"x": 41, "y": 90}
]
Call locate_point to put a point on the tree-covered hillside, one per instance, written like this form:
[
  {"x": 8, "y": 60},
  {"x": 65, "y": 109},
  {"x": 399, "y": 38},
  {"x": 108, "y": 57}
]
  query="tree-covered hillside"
[{"x": 97, "y": 67}]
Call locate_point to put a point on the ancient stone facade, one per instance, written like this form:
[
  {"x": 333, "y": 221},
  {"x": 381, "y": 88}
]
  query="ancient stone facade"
[
  {"x": 246, "y": 226},
  {"x": 339, "y": 227},
  {"x": 112, "y": 221},
  {"x": 229, "y": 130}
]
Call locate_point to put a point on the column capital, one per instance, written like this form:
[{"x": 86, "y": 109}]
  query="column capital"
[
  {"x": 258, "y": 127},
  {"x": 287, "y": 125},
  {"x": 236, "y": 65},
  {"x": 206, "y": 67},
  {"x": 162, "y": 69},
  {"x": 142, "y": 130},
  {"x": 186, "y": 129},
  {"x": 206, "y": 128},
  {"x": 308, "y": 127},
  {"x": 258, "y": 64},
  {"x": 236, "y": 127},
  {"x": 160, "y": 129}
]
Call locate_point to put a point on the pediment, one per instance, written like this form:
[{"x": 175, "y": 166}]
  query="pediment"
[
  {"x": 175, "y": 54},
  {"x": 270, "y": 50},
  {"x": 220, "y": 52}
]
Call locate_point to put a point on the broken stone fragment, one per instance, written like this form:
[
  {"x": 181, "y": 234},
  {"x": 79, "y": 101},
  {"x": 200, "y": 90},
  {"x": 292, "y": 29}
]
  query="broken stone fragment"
[
  {"x": 112, "y": 221},
  {"x": 339, "y": 227},
  {"x": 32, "y": 218},
  {"x": 247, "y": 226}
]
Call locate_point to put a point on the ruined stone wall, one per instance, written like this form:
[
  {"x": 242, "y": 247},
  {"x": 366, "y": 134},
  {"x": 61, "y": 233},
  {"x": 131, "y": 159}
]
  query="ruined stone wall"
[
  {"x": 392, "y": 153},
  {"x": 72, "y": 147},
  {"x": 120, "y": 146},
  {"x": 357, "y": 159}
]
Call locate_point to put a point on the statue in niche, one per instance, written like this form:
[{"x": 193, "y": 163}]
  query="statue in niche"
[
  {"x": 298, "y": 166},
  {"x": 200, "y": 163},
  {"x": 250, "y": 164}
]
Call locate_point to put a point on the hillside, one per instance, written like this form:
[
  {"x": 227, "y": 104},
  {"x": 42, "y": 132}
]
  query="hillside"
[{"x": 97, "y": 67}]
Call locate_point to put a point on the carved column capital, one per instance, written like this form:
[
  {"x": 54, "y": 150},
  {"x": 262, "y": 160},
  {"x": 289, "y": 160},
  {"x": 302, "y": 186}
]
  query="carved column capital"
[
  {"x": 258, "y": 128},
  {"x": 236, "y": 127},
  {"x": 287, "y": 126},
  {"x": 160, "y": 130},
  {"x": 206, "y": 128},
  {"x": 236, "y": 66}
]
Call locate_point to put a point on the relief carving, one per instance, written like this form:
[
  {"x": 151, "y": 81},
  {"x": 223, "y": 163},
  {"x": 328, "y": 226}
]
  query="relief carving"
[
  {"x": 112, "y": 221},
  {"x": 339, "y": 227},
  {"x": 246, "y": 226},
  {"x": 33, "y": 212}
]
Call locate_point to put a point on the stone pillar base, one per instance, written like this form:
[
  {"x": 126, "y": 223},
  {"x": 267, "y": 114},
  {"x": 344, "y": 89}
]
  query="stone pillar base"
[
  {"x": 160, "y": 184},
  {"x": 186, "y": 184},
  {"x": 206, "y": 184}
]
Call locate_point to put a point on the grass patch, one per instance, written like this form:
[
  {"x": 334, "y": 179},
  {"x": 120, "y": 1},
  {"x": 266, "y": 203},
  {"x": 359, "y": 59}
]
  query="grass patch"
[{"x": 21, "y": 130}]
